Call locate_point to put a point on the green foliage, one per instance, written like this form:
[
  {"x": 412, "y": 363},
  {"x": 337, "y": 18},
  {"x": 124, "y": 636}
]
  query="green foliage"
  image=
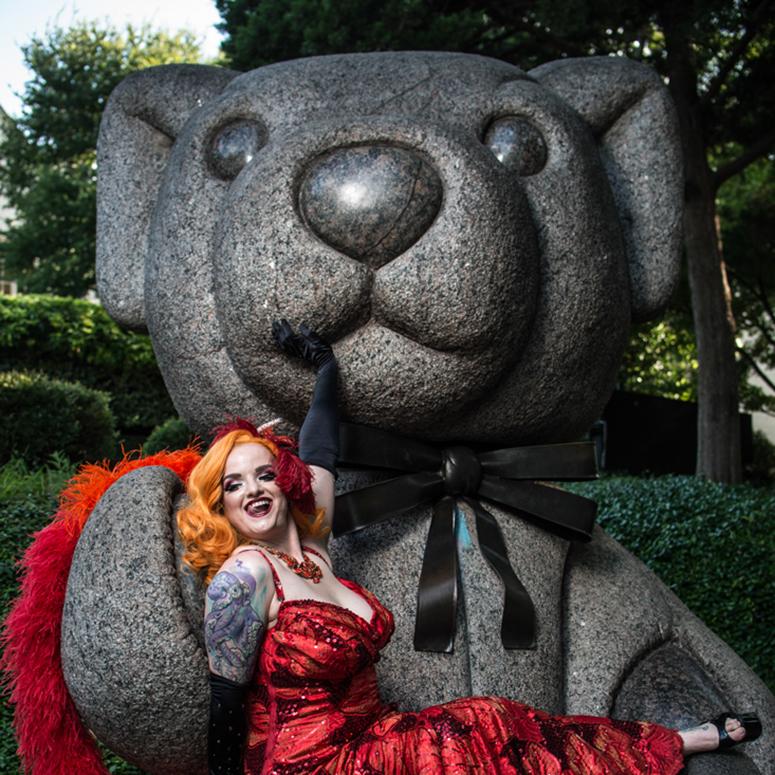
[
  {"x": 171, "y": 434},
  {"x": 77, "y": 341},
  {"x": 27, "y": 500},
  {"x": 42, "y": 416},
  {"x": 47, "y": 155},
  {"x": 20, "y": 482},
  {"x": 50, "y": 249},
  {"x": 117, "y": 765},
  {"x": 262, "y": 32},
  {"x": 746, "y": 206},
  {"x": 661, "y": 359},
  {"x": 712, "y": 544}
]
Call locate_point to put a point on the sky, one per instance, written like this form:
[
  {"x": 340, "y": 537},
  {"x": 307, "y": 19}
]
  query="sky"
[{"x": 21, "y": 19}]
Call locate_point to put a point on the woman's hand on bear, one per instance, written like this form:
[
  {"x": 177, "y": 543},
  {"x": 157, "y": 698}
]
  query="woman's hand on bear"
[{"x": 306, "y": 344}]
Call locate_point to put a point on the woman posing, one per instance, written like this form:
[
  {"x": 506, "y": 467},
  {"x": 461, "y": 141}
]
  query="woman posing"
[{"x": 292, "y": 648}]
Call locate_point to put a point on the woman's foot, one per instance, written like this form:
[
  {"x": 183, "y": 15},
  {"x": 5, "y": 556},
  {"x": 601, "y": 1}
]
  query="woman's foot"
[
  {"x": 706, "y": 737},
  {"x": 725, "y": 731}
]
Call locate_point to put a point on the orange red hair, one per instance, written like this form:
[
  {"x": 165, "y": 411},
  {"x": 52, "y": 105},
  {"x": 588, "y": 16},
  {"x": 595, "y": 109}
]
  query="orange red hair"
[{"x": 208, "y": 536}]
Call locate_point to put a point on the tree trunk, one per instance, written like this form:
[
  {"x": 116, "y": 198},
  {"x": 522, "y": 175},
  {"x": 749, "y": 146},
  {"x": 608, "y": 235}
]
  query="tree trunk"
[{"x": 718, "y": 424}]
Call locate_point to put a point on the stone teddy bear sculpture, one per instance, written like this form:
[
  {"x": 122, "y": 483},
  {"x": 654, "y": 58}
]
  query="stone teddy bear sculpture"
[{"x": 475, "y": 241}]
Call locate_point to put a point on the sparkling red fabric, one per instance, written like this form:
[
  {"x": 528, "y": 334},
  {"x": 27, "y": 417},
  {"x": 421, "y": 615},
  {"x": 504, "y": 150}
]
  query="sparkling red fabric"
[{"x": 315, "y": 708}]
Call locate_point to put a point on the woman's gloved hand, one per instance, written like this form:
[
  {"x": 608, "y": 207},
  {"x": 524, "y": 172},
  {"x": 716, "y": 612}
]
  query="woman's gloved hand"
[
  {"x": 319, "y": 433},
  {"x": 306, "y": 345}
]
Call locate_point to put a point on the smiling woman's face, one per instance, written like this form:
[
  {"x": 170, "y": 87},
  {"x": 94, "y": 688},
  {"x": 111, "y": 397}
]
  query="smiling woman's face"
[{"x": 254, "y": 505}]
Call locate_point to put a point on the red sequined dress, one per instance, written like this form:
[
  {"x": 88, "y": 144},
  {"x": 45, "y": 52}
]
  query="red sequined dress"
[{"x": 315, "y": 708}]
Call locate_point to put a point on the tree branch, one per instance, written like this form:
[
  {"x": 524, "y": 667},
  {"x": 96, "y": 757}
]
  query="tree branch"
[
  {"x": 765, "y": 299},
  {"x": 759, "y": 291},
  {"x": 762, "y": 327},
  {"x": 758, "y": 369},
  {"x": 751, "y": 29},
  {"x": 748, "y": 156},
  {"x": 517, "y": 22}
]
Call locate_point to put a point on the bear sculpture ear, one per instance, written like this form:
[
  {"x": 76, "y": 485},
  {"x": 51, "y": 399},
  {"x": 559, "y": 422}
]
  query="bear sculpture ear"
[
  {"x": 631, "y": 115},
  {"x": 143, "y": 117}
]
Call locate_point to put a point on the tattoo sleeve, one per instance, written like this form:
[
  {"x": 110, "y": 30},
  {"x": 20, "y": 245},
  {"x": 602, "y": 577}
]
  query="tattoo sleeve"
[
  {"x": 233, "y": 633},
  {"x": 233, "y": 627}
]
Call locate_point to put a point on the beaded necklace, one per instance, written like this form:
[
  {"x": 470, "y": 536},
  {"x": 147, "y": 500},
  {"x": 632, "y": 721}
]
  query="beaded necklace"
[{"x": 306, "y": 569}]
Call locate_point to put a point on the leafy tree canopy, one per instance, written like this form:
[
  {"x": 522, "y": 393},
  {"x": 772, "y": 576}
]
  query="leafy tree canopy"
[{"x": 47, "y": 155}]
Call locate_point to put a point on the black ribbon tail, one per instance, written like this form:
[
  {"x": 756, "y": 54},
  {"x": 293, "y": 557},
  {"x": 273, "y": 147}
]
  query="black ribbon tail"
[
  {"x": 518, "y": 626},
  {"x": 544, "y": 461},
  {"x": 377, "y": 502},
  {"x": 361, "y": 445},
  {"x": 564, "y": 513},
  {"x": 434, "y": 628}
]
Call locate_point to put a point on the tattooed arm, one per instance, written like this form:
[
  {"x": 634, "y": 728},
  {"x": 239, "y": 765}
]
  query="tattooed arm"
[{"x": 235, "y": 620}]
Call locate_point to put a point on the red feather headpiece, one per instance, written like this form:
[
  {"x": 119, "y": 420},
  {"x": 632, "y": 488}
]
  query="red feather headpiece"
[{"x": 293, "y": 476}]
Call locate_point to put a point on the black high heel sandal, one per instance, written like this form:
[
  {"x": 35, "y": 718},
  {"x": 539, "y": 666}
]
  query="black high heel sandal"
[{"x": 749, "y": 721}]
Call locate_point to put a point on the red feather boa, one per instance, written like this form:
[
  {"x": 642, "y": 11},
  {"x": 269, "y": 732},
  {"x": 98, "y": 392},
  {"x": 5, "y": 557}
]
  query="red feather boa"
[{"x": 52, "y": 739}]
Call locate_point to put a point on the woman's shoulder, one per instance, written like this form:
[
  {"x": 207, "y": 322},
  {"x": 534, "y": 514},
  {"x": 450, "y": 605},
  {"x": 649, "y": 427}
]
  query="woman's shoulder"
[{"x": 250, "y": 560}]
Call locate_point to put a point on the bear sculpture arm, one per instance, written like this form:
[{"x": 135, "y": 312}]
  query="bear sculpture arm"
[{"x": 234, "y": 627}]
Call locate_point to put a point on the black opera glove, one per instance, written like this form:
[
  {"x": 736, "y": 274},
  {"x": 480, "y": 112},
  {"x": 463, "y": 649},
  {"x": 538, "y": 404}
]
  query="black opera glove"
[
  {"x": 319, "y": 433},
  {"x": 306, "y": 345},
  {"x": 227, "y": 727}
]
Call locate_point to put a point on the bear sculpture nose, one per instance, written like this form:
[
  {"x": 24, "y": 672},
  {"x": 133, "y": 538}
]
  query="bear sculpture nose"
[{"x": 370, "y": 202}]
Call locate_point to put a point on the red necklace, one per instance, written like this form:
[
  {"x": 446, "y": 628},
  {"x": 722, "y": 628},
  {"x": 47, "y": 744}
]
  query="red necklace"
[{"x": 306, "y": 569}]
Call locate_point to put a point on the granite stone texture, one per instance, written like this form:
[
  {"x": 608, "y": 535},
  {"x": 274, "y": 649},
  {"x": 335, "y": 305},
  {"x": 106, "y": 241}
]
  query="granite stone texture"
[
  {"x": 490, "y": 257},
  {"x": 474, "y": 241},
  {"x": 633, "y": 650},
  {"x": 372, "y": 202},
  {"x": 131, "y": 658},
  {"x": 670, "y": 671}
]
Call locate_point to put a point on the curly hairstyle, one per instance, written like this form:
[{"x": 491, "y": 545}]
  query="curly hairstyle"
[{"x": 207, "y": 535}]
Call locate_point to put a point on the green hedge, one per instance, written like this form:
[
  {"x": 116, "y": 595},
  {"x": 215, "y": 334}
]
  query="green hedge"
[
  {"x": 76, "y": 340},
  {"x": 27, "y": 499},
  {"x": 712, "y": 544},
  {"x": 42, "y": 416},
  {"x": 171, "y": 434}
]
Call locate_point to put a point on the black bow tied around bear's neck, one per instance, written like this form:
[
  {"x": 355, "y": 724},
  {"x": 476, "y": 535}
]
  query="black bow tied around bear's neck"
[{"x": 457, "y": 473}]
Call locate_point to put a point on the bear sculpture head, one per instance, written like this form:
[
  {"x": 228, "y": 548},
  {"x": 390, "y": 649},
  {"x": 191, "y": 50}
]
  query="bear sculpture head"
[{"x": 474, "y": 240}]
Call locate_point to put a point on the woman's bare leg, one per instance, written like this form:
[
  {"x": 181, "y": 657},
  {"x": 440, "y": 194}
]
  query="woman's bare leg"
[{"x": 705, "y": 737}]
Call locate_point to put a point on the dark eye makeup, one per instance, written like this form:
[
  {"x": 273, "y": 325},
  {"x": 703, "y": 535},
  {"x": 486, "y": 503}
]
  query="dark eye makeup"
[{"x": 264, "y": 475}]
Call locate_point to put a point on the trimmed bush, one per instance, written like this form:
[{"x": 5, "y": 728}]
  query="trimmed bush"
[
  {"x": 75, "y": 340},
  {"x": 171, "y": 434},
  {"x": 42, "y": 415},
  {"x": 712, "y": 544}
]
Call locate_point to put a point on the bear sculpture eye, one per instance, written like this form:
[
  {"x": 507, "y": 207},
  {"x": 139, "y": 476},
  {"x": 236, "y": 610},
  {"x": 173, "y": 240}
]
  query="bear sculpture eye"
[
  {"x": 516, "y": 144},
  {"x": 234, "y": 145}
]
